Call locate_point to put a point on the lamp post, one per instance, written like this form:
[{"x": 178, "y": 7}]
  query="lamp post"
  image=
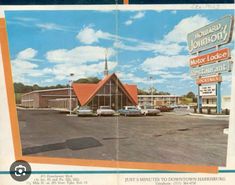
[
  {"x": 151, "y": 81},
  {"x": 70, "y": 93}
]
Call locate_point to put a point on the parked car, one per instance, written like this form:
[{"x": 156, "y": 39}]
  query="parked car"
[
  {"x": 173, "y": 106},
  {"x": 165, "y": 109},
  {"x": 149, "y": 110},
  {"x": 84, "y": 111},
  {"x": 105, "y": 111},
  {"x": 130, "y": 111}
]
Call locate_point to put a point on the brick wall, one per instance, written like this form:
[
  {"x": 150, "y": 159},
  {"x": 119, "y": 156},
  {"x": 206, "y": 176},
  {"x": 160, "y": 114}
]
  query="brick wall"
[{"x": 40, "y": 99}]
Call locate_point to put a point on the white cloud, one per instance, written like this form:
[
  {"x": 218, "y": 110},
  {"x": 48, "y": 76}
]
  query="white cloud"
[
  {"x": 23, "y": 65},
  {"x": 27, "y": 54},
  {"x": 157, "y": 48},
  {"x": 168, "y": 49},
  {"x": 51, "y": 26},
  {"x": 137, "y": 16},
  {"x": 185, "y": 26},
  {"x": 158, "y": 64},
  {"x": 79, "y": 70},
  {"x": 83, "y": 61},
  {"x": 24, "y": 69},
  {"x": 128, "y": 22},
  {"x": 186, "y": 76},
  {"x": 79, "y": 55},
  {"x": 26, "y": 19},
  {"x": 89, "y": 36},
  {"x": 171, "y": 44},
  {"x": 34, "y": 22},
  {"x": 130, "y": 77}
]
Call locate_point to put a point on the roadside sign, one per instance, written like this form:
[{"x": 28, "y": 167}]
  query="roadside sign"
[
  {"x": 212, "y": 69},
  {"x": 210, "y": 79},
  {"x": 209, "y": 90},
  {"x": 214, "y": 34},
  {"x": 215, "y": 56}
]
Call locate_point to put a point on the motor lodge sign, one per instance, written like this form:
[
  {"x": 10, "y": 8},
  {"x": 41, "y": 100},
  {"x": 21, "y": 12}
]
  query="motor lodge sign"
[{"x": 215, "y": 56}]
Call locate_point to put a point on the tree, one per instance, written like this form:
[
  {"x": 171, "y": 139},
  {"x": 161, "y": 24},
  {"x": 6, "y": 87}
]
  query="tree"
[
  {"x": 142, "y": 92},
  {"x": 152, "y": 90},
  {"x": 36, "y": 87},
  {"x": 18, "y": 87},
  {"x": 155, "y": 92},
  {"x": 21, "y": 88},
  {"x": 163, "y": 93},
  {"x": 190, "y": 95},
  {"x": 93, "y": 79},
  {"x": 88, "y": 80},
  {"x": 81, "y": 80}
]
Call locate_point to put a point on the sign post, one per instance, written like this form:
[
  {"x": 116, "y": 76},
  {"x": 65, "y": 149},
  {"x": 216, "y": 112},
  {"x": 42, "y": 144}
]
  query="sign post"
[
  {"x": 207, "y": 68},
  {"x": 218, "y": 103},
  {"x": 199, "y": 100}
]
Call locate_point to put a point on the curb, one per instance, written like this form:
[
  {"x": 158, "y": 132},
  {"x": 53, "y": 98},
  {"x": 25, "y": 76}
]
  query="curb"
[
  {"x": 22, "y": 108},
  {"x": 209, "y": 116}
]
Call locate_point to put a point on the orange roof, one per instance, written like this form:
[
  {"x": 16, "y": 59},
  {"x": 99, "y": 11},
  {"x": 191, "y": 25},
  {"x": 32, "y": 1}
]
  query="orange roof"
[
  {"x": 132, "y": 90},
  {"x": 85, "y": 92}
]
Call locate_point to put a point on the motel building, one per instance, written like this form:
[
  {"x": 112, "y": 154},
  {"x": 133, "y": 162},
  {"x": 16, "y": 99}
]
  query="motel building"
[
  {"x": 159, "y": 100},
  {"x": 210, "y": 102},
  {"x": 110, "y": 91}
]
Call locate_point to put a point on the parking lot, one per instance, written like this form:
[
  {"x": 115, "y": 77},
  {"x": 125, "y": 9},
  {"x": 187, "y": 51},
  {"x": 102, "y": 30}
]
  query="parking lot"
[{"x": 167, "y": 138}]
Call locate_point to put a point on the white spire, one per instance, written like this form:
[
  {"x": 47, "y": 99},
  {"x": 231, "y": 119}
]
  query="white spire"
[{"x": 106, "y": 72}]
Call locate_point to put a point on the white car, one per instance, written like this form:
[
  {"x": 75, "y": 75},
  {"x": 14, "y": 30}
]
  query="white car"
[
  {"x": 130, "y": 111},
  {"x": 84, "y": 111},
  {"x": 149, "y": 110},
  {"x": 105, "y": 111}
]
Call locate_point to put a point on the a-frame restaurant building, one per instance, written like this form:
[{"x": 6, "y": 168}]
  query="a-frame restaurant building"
[{"x": 108, "y": 92}]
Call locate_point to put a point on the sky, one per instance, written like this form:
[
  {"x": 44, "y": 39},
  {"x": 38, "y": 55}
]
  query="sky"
[{"x": 46, "y": 46}]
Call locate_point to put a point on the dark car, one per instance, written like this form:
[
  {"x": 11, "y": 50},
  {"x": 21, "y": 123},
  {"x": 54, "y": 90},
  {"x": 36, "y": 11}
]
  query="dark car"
[{"x": 165, "y": 108}]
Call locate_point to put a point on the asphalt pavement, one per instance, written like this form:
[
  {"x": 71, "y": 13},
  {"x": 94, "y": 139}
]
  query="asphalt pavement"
[{"x": 167, "y": 138}]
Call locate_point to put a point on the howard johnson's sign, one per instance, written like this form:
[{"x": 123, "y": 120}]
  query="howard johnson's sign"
[
  {"x": 206, "y": 67},
  {"x": 206, "y": 70},
  {"x": 214, "y": 34}
]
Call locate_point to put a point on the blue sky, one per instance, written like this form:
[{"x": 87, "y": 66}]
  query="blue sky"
[{"x": 46, "y": 46}]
